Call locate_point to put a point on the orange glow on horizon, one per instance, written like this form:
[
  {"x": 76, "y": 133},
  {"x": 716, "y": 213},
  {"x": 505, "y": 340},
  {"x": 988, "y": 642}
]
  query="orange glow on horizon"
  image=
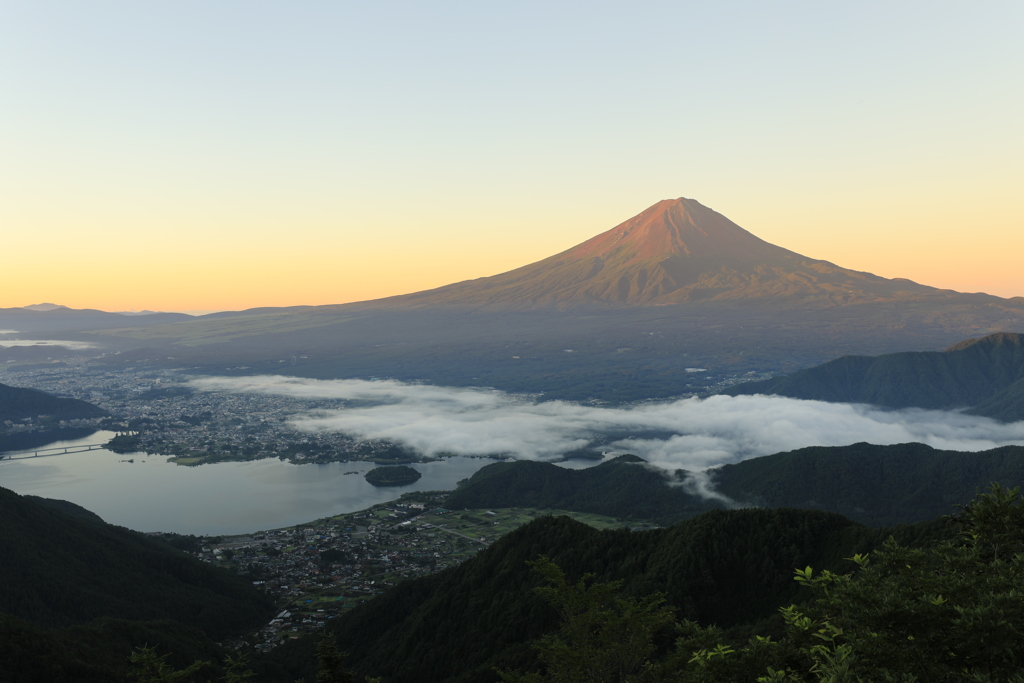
[
  {"x": 318, "y": 267},
  {"x": 186, "y": 156}
]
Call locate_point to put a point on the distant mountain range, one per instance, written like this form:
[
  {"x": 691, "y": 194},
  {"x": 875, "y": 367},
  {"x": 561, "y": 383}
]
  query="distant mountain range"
[
  {"x": 56, "y": 318},
  {"x": 985, "y": 376},
  {"x": 47, "y": 307},
  {"x": 618, "y": 317}
]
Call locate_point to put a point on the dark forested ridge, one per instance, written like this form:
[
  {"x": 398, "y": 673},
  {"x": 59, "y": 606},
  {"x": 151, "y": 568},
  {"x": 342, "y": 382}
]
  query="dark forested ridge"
[
  {"x": 59, "y": 570},
  {"x": 625, "y": 487},
  {"x": 96, "y": 652},
  {"x": 24, "y": 441},
  {"x": 946, "y": 611},
  {"x": 17, "y": 403},
  {"x": 77, "y": 596},
  {"x": 66, "y": 507},
  {"x": 732, "y": 568},
  {"x": 985, "y": 375},
  {"x": 724, "y": 567},
  {"x": 874, "y": 485}
]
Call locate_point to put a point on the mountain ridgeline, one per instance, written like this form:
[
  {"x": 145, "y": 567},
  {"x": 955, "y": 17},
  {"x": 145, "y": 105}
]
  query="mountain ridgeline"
[
  {"x": 83, "y": 594},
  {"x": 731, "y": 568},
  {"x": 72, "y": 568},
  {"x": 43, "y": 318},
  {"x": 675, "y": 252},
  {"x": 17, "y": 403},
  {"x": 678, "y": 285},
  {"x": 78, "y": 595},
  {"x": 985, "y": 376},
  {"x": 873, "y": 485}
]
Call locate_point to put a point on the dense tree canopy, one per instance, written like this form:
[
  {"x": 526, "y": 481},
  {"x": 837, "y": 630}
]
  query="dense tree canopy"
[
  {"x": 871, "y": 484},
  {"x": 953, "y": 611}
]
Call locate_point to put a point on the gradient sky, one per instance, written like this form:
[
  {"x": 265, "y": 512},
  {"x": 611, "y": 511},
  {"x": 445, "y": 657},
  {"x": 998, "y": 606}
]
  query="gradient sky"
[{"x": 221, "y": 155}]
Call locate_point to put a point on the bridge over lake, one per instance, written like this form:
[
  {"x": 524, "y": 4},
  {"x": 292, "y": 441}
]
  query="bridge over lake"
[{"x": 59, "y": 450}]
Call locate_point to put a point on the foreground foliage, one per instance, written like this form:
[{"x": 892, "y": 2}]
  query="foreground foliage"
[
  {"x": 936, "y": 602},
  {"x": 61, "y": 569},
  {"x": 603, "y": 636},
  {"x": 77, "y": 596},
  {"x": 731, "y": 568},
  {"x": 950, "y": 612}
]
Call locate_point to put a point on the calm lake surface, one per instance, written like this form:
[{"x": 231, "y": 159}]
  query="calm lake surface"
[{"x": 152, "y": 494}]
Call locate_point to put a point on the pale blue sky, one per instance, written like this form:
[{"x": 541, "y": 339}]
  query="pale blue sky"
[{"x": 354, "y": 150}]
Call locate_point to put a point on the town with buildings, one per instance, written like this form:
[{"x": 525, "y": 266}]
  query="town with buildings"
[
  {"x": 318, "y": 570},
  {"x": 165, "y": 416},
  {"x": 158, "y": 412}
]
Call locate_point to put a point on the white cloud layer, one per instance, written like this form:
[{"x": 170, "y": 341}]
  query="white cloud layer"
[
  {"x": 704, "y": 432},
  {"x": 73, "y": 345}
]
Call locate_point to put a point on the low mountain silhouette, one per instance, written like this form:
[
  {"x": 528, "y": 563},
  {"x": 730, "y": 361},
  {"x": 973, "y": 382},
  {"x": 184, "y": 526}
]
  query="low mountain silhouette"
[
  {"x": 66, "y": 507},
  {"x": 724, "y": 567},
  {"x": 984, "y": 375},
  {"x": 877, "y": 485},
  {"x": 77, "y": 596},
  {"x": 46, "y": 318},
  {"x": 25, "y": 441},
  {"x": 46, "y": 307},
  {"x": 677, "y": 251},
  {"x": 17, "y": 403},
  {"x": 64, "y": 569}
]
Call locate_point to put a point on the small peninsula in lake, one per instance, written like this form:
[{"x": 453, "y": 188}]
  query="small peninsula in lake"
[{"x": 399, "y": 475}]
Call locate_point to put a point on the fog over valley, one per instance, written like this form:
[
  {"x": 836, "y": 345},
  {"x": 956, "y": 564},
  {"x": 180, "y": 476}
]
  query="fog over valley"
[
  {"x": 691, "y": 433},
  {"x": 65, "y": 344}
]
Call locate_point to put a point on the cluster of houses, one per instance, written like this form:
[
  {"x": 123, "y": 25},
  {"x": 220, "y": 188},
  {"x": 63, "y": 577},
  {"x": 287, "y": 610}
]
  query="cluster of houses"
[
  {"x": 172, "y": 420},
  {"x": 319, "y": 570}
]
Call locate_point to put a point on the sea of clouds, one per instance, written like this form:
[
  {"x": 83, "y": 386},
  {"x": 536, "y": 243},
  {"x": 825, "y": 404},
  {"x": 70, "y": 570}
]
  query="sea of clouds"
[
  {"x": 72, "y": 345},
  {"x": 694, "y": 434}
]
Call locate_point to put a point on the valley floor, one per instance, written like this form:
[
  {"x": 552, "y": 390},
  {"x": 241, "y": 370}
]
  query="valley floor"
[{"x": 319, "y": 570}]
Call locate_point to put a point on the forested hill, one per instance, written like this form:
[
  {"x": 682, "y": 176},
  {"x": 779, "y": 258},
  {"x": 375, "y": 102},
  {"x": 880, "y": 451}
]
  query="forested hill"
[
  {"x": 67, "y": 508},
  {"x": 724, "y": 567},
  {"x": 874, "y": 485},
  {"x": 625, "y": 487},
  {"x": 985, "y": 375},
  {"x": 60, "y": 570},
  {"x": 17, "y": 403},
  {"x": 25, "y": 441}
]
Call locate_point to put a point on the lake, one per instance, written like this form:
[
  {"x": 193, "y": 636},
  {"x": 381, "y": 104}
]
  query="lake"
[{"x": 152, "y": 494}]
